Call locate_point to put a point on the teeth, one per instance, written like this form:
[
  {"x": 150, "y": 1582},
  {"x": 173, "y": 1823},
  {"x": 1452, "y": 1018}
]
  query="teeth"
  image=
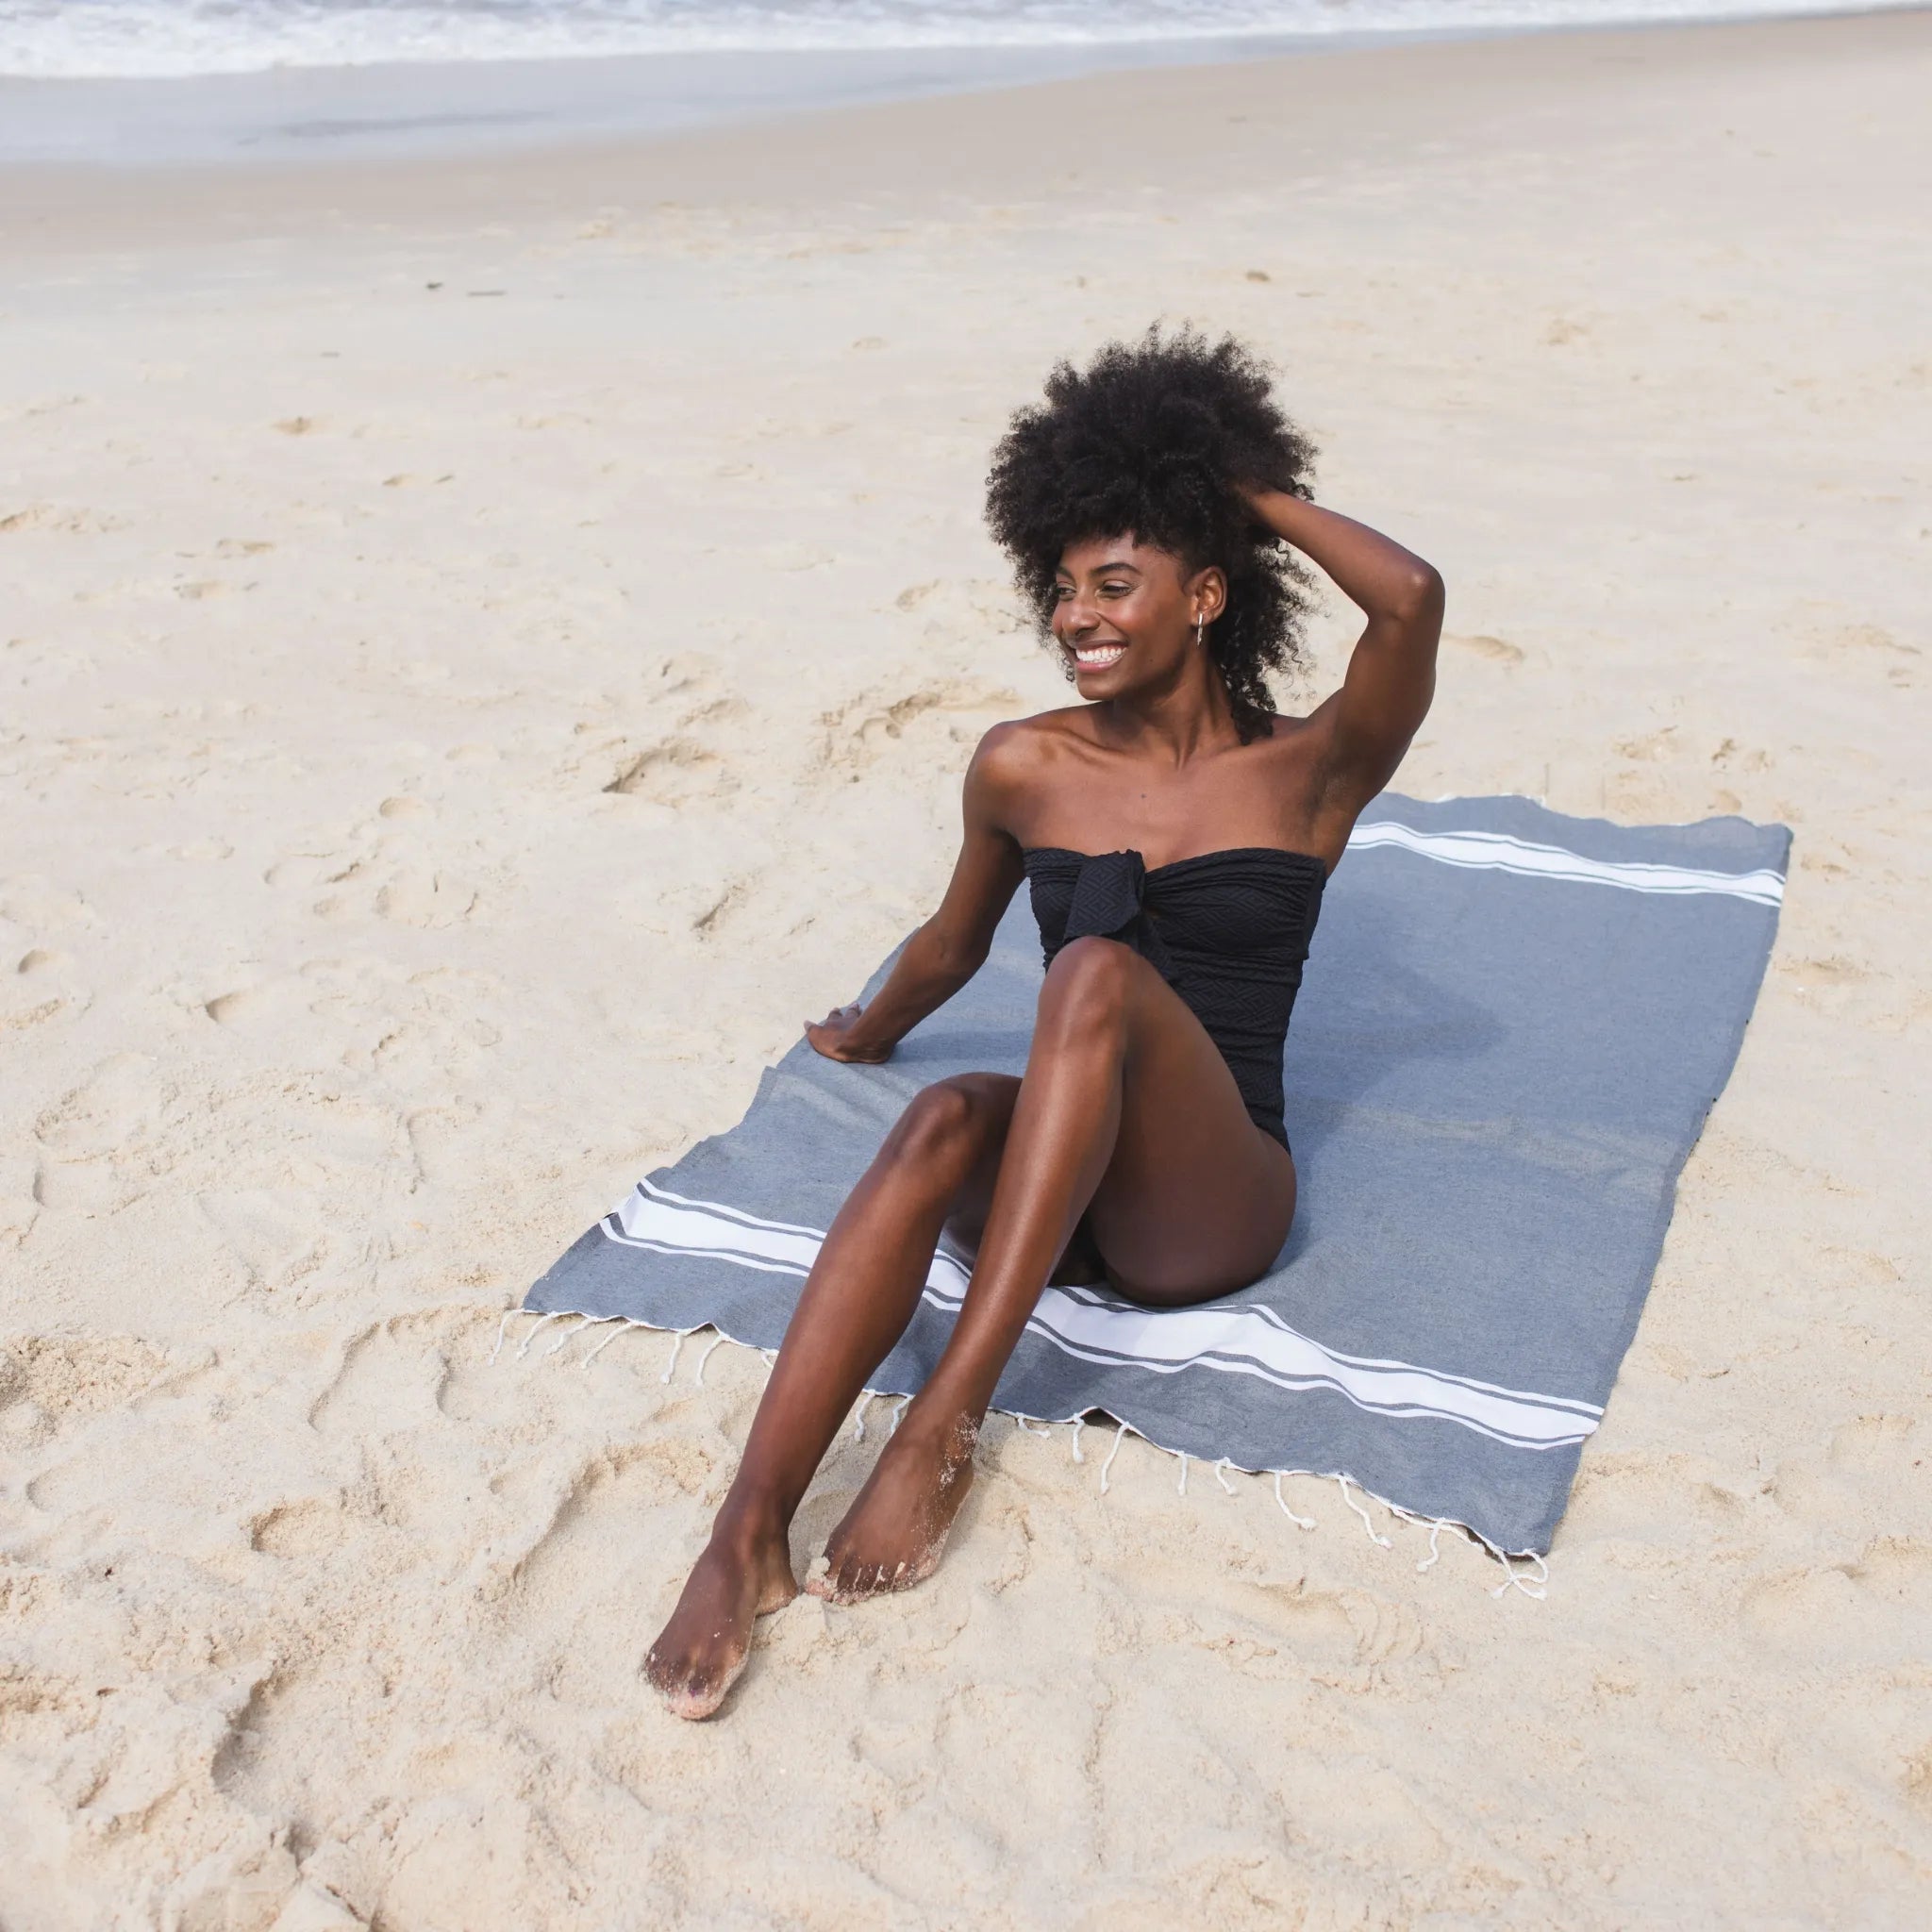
[{"x": 1100, "y": 656}]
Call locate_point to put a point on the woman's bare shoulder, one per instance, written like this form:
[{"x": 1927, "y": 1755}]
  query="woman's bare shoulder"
[
  {"x": 1014, "y": 760},
  {"x": 1021, "y": 746}
]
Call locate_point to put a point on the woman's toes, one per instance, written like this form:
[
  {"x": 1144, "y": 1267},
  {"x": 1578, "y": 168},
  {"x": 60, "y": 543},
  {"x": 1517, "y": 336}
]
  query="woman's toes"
[
  {"x": 848, "y": 1583},
  {"x": 691, "y": 1694}
]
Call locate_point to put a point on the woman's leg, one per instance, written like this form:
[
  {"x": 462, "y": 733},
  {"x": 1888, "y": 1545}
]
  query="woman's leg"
[
  {"x": 940, "y": 1158},
  {"x": 1128, "y": 1112}
]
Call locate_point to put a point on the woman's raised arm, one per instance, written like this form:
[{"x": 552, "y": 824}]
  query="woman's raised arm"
[
  {"x": 952, "y": 945},
  {"x": 1391, "y": 675}
]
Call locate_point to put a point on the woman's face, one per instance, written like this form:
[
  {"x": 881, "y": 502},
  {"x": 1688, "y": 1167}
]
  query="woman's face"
[{"x": 1124, "y": 614}]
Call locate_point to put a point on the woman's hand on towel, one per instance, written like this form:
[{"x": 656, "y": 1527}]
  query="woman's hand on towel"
[{"x": 831, "y": 1037}]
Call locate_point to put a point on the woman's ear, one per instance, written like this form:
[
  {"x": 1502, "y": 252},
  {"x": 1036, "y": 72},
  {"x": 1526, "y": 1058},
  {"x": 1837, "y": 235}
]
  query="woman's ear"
[{"x": 1208, "y": 590}]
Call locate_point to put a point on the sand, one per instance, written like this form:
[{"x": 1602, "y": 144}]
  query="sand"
[{"x": 487, "y": 647}]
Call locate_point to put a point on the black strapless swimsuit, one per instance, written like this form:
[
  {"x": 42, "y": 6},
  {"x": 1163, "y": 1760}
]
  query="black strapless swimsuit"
[{"x": 1229, "y": 931}]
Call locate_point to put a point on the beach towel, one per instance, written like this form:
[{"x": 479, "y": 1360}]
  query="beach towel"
[{"x": 1511, "y": 1028}]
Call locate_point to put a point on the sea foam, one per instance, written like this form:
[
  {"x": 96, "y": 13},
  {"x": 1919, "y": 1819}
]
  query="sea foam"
[{"x": 82, "y": 38}]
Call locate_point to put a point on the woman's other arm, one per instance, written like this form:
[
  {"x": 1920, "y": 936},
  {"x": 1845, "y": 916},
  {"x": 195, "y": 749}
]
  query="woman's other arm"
[
  {"x": 952, "y": 945},
  {"x": 1392, "y": 676}
]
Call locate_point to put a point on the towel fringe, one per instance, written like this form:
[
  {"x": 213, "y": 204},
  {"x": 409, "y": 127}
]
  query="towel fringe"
[
  {"x": 623, "y": 1321},
  {"x": 508, "y": 1313},
  {"x": 1531, "y": 1580},
  {"x": 1540, "y": 1577},
  {"x": 562, "y": 1339},
  {"x": 1367, "y": 1521},
  {"x": 1299, "y": 1521},
  {"x": 555, "y": 1314}
]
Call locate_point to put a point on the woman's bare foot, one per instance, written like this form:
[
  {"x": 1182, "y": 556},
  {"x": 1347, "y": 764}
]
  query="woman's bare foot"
[
  {"x": 893, "y": 1536},
  {"x": 705, "y": 1647}
]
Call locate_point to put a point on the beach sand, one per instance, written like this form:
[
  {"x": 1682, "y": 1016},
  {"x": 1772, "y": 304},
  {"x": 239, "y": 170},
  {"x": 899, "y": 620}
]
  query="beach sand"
[{"x": 486, "y": 646}]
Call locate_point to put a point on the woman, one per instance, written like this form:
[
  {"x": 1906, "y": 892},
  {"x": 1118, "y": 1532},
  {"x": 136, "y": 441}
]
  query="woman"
[{"x": 1175, "y": 833}]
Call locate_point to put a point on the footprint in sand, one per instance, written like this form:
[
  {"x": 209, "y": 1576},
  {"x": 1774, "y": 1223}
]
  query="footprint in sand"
[
  {"x": 1822, "y": 976},
  {"x": 264, "y": 1005},
  {"x": 964, "y": 609},
  {"x": 300, "y": 1532},
  {"x": 671, "y": 772},
  {"x": 273, "y": 1232},
  {"x": 76, "y": 1377},
  {"x": 1874, "y": 1609},
  {"x": 427, "y": 897},
  {"x": 1870, "y": 653},
  {"x": 859, "y": 732},
  {"x": 413, "y": 892},
  {"x": 390, "y": 1376},
  {"x": 696, "y": 760},
  {"x": 1651, "y": 748},
  {"x": 91, "y": 1140},
  {"x": 440, "y": 1140},
  {"x": 1498, "y": 651},
  {"x": 74, "y": 521},
  {"x": 35, "y": 995}
]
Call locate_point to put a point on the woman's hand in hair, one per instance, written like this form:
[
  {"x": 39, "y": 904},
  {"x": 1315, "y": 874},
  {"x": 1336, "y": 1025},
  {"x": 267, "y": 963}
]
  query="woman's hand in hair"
[{"x": 1392, "y": 676}]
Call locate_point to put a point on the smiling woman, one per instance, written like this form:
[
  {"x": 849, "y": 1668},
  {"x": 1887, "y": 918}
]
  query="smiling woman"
[
  {"x": 1160, "y": 439},
  {"x": 1146, "y": 505}
]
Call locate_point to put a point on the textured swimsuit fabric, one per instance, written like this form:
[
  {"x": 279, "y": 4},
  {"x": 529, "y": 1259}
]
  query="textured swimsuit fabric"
[
  {"x": 1511, "y": 1029},
  {"x": 1229, "y": 931}
]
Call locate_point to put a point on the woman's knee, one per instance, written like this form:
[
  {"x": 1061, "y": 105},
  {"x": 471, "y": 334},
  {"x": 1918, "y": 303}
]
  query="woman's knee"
[
  {"x": 942, "y": 1123},
  {"x": 1089, "y": 986}
]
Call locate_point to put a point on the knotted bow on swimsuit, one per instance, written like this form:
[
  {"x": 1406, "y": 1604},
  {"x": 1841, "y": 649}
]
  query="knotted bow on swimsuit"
[{"x": 1229, "y": 931}]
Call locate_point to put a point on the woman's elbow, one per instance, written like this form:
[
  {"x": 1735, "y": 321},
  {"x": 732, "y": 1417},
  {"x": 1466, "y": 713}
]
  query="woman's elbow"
[{"x": 1420, "y": 595}]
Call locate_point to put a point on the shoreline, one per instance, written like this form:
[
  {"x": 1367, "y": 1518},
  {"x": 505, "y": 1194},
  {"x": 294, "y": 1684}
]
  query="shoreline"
[
  {"x": 452, "y": 110},
  {"x": 1372, "y": 105}
]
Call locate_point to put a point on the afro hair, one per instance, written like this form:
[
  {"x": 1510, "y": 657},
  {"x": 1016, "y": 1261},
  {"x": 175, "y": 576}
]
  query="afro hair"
[{"x": 1154, "y": 440}]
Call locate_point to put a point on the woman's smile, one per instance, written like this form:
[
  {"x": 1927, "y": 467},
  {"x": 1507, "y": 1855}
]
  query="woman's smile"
[{"x": 1098, "y": 657}]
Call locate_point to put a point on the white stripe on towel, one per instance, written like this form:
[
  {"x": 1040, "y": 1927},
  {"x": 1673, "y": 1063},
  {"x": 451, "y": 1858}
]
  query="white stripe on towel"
[
  {"x": 1497, "y": 852},
  {"x": 1238, "y": 1339}
]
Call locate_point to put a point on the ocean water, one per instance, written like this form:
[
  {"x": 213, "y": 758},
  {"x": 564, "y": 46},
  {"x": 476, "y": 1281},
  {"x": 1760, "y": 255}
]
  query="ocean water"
[{"x": 126, "y": 38}]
